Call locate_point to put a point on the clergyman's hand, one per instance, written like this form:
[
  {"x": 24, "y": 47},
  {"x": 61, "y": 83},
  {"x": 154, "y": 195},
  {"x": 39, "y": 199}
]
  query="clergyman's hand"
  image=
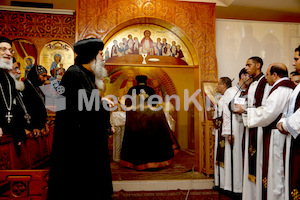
[
  {"x": 239, "y": 109},
  {"x": 36, "y": 132},
  {"x": 280, "y": 128},
  {"x": 110, "y": 103},
  {"x": 113, "y": 130},
  {"x": 231, "y": 139}
]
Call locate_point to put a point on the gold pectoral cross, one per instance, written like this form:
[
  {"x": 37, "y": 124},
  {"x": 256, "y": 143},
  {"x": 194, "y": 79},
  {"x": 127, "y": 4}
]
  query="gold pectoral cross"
[
  {"x": 27, "y": 117},
  {"x": 252, "y": 150},
  {"x": 8, "y": 116}
]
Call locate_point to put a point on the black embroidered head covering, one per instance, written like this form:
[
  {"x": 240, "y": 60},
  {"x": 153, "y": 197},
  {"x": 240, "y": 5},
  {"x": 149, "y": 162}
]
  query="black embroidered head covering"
[
  {"x": 87, "y": 50},
  {"x": 141, "y": 79},
  {"x": 34, "y": 73},
  {"x": 4, "y": 39},
  {"x": 40, "y": 69}
]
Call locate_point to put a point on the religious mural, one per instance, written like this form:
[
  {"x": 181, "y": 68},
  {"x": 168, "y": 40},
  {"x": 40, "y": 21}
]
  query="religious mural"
[
  {"x": 157, "y": 45},
  {"x": 25, "y": 55},
  {"x": 56, "y": 57}
]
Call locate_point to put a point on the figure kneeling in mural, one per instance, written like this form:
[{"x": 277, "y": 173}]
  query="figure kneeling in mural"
[{"x": 148, "y": 140}]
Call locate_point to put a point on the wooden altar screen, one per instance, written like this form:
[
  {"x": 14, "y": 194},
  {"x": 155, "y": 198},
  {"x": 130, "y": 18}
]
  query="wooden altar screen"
[{"x": 194, "y": 23}]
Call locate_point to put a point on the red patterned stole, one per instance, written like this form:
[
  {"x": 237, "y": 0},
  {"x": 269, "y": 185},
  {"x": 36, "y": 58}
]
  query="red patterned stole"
[
  {"x": 259, "y": 93},
  {"x": 294, "y": 176},
  {"x": 218, "y": 123},
  {"x": 266, "y": 139},
  {"x": 220, "y": 148}
]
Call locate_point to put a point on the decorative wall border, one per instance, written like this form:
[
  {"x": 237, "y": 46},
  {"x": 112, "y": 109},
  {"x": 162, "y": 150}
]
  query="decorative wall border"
[{"x": 21, "y": 24}]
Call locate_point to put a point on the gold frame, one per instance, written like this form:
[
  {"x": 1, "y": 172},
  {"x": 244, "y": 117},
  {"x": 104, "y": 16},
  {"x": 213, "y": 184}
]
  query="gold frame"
[{"x": 208, "y": 146}]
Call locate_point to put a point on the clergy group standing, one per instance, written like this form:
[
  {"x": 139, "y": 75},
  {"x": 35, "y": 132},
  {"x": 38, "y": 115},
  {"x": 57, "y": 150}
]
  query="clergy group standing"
[
  {"x": 260, "y": 126},
  {"x": 223, "y": 84}
]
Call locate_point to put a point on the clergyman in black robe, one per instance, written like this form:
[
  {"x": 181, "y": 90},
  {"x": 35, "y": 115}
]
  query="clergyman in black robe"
[
  {"x": 29, "y": 98},
  {"x": 80, "y": 164},
  {"x": 148, "y": 141},
  {"x": 11, "y": 118}
]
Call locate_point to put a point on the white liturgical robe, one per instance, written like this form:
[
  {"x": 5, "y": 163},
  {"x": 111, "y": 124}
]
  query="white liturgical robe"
[
  {"x": 263, "y": 116},
  {"x": 291, "y": 120},
  {"x": 252, "y": 190},
  {"x": 237, "y": 132},
  {"x": 218, "y": 113},
  {"x": 291, "y": 123}
]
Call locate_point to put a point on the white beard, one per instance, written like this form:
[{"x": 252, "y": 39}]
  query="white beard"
[
  {"x": 99, "y": 72},
  {"x": 6, "y": 65},
  {"x": 19, "y": 85}
]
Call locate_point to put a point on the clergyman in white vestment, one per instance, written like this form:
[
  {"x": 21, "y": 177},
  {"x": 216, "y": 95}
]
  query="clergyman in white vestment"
[
  {"x": 257, "y": 93},
  {"x": 267, "y": 116},
  {"x": 290, "y": 126},
  {"x": 222, "y": 86},
  {"x": 230, "y": 96}
]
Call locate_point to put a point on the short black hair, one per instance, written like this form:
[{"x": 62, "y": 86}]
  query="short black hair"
[
  {"x": 227, "y": 81},
  {"x": 279, "y": 71},
  {"x": 297, "y": 49},
  {"x": 243, "y": 71},
  {"x": 294, "y": 73},
  {"x": 256, "y": 60}
]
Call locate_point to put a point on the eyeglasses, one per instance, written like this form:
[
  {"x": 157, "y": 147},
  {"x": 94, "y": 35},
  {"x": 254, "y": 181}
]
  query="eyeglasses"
[{"x": 4, "y": 49}]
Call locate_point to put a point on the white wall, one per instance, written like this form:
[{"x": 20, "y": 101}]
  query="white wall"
[{"x": 238, "y": 40}]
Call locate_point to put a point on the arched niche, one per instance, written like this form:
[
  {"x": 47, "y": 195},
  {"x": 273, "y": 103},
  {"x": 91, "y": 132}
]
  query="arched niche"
[
  {"x": 193, "y": 22},
  {"x": 166, "y": 82}
]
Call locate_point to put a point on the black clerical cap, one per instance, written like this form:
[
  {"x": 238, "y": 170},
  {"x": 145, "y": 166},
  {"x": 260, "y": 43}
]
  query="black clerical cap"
[
  {"x": 40, "y": 69},
  {"x": 87, "y": 50},
  {"x": 141, "y": 79},
  {"x": 4, "y": 39}
]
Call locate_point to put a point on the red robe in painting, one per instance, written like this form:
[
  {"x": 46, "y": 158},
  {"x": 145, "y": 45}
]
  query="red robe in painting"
[{"x": 150, "y": 44}]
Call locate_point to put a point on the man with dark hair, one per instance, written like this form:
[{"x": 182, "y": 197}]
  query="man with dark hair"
[
  {"x": 267, "y": 115},
  {"x": 295, "y": 77},
  {"x": 233, "y": 129},
  {"x": 226, "y": 82},
  {"x": 223, "y": 84},
  {"x": 80, "y": 164},
  {"x": 257, "y": 60},
  {"x": 243, "y": 73},
  {"x": 289, "y": 125},
  {"x": 279, "y": 69},
  {"x": 296, "y": 58},
  {"x": 257, "y": 93}
]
